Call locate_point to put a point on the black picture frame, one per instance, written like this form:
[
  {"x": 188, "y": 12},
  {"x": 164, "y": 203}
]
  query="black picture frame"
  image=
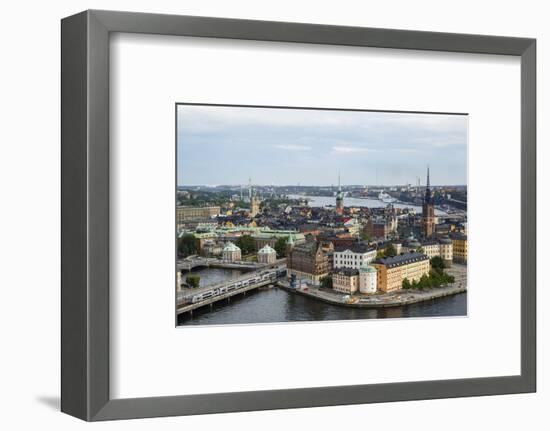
[{"x": 85, "y": 214}]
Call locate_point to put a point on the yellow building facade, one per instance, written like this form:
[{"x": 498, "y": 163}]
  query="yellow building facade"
[
  {"x": 460, "y": 248},
  {"x": 391, "y": 271},
  {"x": 184, "y": 213}
]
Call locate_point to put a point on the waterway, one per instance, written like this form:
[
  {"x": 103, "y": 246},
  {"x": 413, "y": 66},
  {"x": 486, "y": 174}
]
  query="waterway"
[
  {"x": 211, "y": 276},
  {"x": 273, "y": 304},
  {"x": 325, "y": 201}
]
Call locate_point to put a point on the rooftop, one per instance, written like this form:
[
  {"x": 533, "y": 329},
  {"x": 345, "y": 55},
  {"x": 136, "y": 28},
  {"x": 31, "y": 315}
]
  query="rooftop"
[
  {"x": 367, "y": 268},
  {"x": 309, "y": 247},
  {"x": 231, "y": 247},
  {"x": 401, "y": 259},
  {"x": 358, "y": 247},
  {"x": 346, "y": 271},
  {"x": 266, "y": 249}
]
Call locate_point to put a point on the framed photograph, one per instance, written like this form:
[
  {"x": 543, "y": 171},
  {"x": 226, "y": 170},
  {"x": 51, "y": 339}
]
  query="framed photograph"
[
  {"x": 264, "y": 215},
  {"x": 297, "y": 245}
]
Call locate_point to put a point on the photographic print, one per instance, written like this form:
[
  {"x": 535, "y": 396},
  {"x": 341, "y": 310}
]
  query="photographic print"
[{"x": 302, "y": 214}]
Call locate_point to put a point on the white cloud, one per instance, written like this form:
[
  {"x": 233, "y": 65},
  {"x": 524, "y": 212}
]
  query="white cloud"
[
  {"x": 291, "y": 147},
  {"x": 348, "y": 150}
]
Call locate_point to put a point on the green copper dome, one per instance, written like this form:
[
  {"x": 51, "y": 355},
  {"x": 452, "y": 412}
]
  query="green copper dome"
[{"x": 367, "y": 268}]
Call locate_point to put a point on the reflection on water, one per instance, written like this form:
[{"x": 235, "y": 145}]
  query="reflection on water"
[
  {"x": 211, "y": 276},
  {"x": 268, "y": 305}
]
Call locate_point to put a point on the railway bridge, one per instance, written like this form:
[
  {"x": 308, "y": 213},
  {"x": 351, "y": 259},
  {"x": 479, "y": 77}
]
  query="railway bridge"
[
  {"x": 191, "y": 299},
  {"x": 208, "y": 262}
]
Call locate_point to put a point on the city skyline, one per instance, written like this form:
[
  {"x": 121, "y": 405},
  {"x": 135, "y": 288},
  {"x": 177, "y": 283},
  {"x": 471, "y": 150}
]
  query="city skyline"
[
  {"x": 287, "y": 147},
  {"x": 333, "y": 185}
]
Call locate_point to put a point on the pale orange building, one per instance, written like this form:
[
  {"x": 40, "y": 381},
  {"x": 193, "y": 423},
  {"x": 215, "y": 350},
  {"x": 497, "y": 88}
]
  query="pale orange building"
[{"x": 391, "y": 271}]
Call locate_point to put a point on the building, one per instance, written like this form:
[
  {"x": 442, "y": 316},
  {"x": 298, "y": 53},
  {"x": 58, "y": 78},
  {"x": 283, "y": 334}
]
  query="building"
[
  {"x": 339, "y": 198},
  {"x": 345, "y": 280},
  {"x": 367, "y": 279},
  {"x": 353, "y": 256},
  {"x": 430, "y": 248},
  {"x": 200, "y": 237},
  {"x": 336, "y": 238},
  {"x": 308, "y": 261},
  {"x": 185, "y": 213},
  {"x": 460, "y": 247},
  {"x": 202, "y": 225},
  {"x": 398, "y": 245},
  {"x": 410, "y": 244},
  {"x": 391, "y": 271},
  {"x": 270, "y": 237},
  {"x": 212, "y": 248},
  {"x": 231, "y": 252},
  {"x": 254, "y": 206},
  {"x": 381, "y": 227},
  {"x": 310, "y": 229},
  {"x": 446, "y": 251},
  {"x": 353, "y": 227},
  {"x": 428, "y": 215},
  {"x": 351, "y": 280},
  {"x": 267, "y": 255},
  {"x": 441, "y": 247}
]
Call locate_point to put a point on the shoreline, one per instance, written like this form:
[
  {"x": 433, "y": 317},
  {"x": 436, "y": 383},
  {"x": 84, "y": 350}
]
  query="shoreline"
[{"x": 395, "y": 299}]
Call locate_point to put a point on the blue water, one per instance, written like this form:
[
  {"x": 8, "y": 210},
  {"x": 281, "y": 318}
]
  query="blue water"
[{"x": 268, "y": 305}]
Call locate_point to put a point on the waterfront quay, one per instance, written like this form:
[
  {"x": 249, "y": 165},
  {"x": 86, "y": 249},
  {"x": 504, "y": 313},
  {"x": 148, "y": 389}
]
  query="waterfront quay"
[{"x": 383, "y": 300}]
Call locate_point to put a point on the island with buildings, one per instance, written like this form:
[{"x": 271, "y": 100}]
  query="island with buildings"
[{"x": 349, "y": 246}]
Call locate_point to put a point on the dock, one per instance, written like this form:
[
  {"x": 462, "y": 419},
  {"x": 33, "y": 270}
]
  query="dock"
[{"x": 384, "y": 300}]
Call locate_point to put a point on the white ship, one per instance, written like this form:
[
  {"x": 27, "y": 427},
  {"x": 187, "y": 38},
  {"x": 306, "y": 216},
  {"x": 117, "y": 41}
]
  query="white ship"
[{"x": 386, "y": 198}]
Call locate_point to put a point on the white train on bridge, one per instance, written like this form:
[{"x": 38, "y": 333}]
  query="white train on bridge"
[{"x": 263, "y": 276}]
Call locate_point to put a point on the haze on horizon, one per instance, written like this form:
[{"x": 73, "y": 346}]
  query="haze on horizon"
[{"x": 286, "y": 147}]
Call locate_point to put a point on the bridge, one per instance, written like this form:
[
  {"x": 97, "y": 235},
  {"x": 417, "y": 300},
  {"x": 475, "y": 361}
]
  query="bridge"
[
  {"x": 191, "y": 299},
  {"x": 209, "y": 262}
]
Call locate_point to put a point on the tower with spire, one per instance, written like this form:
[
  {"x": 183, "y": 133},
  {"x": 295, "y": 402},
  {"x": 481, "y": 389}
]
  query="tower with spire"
[
  {"x": 253, "y": 200},
  {"x": 339, "y": 198},
  {"x": 428, "y": 216}
]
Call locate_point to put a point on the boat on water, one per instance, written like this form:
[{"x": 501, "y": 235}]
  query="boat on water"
[{"x": 386, "y": 198}]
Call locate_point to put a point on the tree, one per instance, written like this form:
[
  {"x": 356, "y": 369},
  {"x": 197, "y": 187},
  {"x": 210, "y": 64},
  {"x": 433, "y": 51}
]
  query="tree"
[
  {"x": 326, "y": 282},
  {"x": 437, "y": 264},
  {"x": 406, "y": 284},
  {"x": 390, "y": 250},
  {"x": 424, "y": 282},
  {"x": 436, "y": 278},
  {"x": 420, "y": 250},
  {"x": 280, "y": 246},
  {"x": 187, "y": 244},
  {"x": 365, "y": 236},
  {"x": 193, "y": 280},
  {"x": 246, "y": 244},
  {"x": 449, "y": 278},
  {"x": 380, "y": 254}
]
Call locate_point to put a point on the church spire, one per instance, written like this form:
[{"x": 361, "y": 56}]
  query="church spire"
[
  {"x": 339, "y": 198},
  {"x": 428, "y": 219},
  {"x": 428, "y": 178},
  {"x": 428, "y": 195}
]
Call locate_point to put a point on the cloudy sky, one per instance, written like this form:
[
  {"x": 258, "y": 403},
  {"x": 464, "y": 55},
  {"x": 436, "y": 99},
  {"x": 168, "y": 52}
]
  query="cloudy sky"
[{"x": 227, "y": 145}]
